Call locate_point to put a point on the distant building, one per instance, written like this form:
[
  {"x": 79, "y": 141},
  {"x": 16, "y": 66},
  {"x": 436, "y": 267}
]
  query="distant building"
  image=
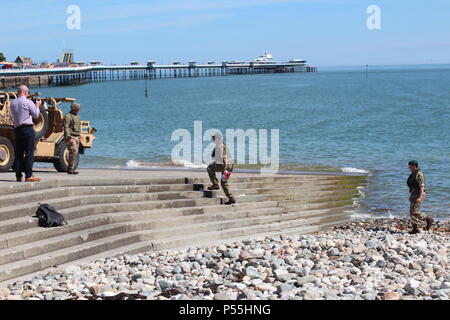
[
  {"x": 134, "y": 63},
  {"x": 67, "y": 58},
  {"x": 265, "y": 58},
  {"x": 94, "y": 63},
  {"x": 23, "y": 62}
]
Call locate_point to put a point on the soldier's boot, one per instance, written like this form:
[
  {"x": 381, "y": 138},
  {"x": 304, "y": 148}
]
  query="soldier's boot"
[
  {"x": 414, "y": 230},
  {"x": 429, "y": 223},
  {"x": 230, "y": 201},
  {"x": 71, "y": 171},
  {"x": 214, "y": 187}
]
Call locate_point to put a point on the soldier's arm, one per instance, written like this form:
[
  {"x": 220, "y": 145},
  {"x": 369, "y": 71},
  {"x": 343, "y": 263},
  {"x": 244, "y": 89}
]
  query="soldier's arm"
[
  {"x": 67, "y": 129},
  {"x": 421, "y": 182},
  {"x": 225, "y": 157}
]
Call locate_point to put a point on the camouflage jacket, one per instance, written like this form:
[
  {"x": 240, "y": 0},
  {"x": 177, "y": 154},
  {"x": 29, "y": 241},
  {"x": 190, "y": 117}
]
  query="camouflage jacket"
[
  {"x": 224, "y": 156},
  {"x": 72, "y": 125},
  {"x": 415, "y": 181}
]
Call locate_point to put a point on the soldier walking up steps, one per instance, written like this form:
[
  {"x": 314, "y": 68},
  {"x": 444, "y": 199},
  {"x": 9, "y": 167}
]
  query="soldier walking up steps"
[
  {"x": 416, "y": 184},
  {"x": 222, "y": 163},
  {"x": 72, "y": 128}
]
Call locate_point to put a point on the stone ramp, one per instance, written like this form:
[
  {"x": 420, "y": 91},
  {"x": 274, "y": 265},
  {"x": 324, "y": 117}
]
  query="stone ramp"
[{"x": 113, "y": 216}]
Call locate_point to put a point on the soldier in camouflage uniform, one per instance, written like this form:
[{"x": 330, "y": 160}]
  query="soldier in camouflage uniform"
[
  {"x": 416, "y": 184},
  {"x": 222, "y": 163},
  {"x": 72, "y": 128}
]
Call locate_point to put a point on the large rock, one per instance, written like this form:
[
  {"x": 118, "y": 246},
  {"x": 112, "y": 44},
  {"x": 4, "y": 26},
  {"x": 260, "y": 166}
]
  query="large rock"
[
  {"x": 252, "y": 272},
  {"x": 391, "y": 296},
  {"x": 281, "y": 274},
  {"x": 225, "y": 296},
  {"x": 306, "y": 279}
]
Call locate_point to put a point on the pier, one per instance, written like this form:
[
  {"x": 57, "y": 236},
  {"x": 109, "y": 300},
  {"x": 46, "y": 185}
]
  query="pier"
[{"x": 94, "y": 73}]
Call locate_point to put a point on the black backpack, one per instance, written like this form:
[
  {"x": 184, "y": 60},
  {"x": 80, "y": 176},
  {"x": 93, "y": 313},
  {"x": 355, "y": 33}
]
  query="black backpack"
[{"x": 49, "y": 217}]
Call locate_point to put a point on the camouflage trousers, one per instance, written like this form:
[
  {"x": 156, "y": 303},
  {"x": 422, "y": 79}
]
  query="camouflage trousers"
[
  {"x": 212, "y": 169},
  {"x": 414, "y": 210},
  {"x": 73, "y": 145}
]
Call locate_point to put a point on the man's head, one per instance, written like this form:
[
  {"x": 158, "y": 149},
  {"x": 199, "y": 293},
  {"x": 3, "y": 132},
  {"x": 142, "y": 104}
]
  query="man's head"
[
  {"x": 413, "y": 165},
  {"x": 23, "y": 91},
  {"x": 217, "y": 138},
  {"x": 75, "y": 108}
]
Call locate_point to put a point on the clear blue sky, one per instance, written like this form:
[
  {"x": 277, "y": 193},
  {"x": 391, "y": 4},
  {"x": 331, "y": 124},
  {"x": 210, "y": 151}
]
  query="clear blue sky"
[{"x": 324, "y": 32}]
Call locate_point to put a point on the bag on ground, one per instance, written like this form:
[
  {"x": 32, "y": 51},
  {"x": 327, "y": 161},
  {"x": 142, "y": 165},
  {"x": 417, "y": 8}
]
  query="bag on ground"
[{"x": 49, "y": 217}]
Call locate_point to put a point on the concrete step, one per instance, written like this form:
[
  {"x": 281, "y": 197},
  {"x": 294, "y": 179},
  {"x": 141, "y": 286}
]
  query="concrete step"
[
  {"x": 60, "y": 192},
  {"x": 292, "y": 205},
  {"x": 202, "y": 240},
  {"x": 211, "y": 238},
  {"x": 161, "y": 227},
  {"x": 69, "y": 238},
  {"x": 236, "y": 221},
  {"x": 86, "y": 182},
  {"x": 12, "y": 239},
  {"x": 76, "y": 201},
  {"x": 313, "y": 197},
  {"x": 44, "y": 261},
  {"x": 296, "y": 182},
  {"x": 287, "y": 191},
  {"x": 237, "y": 232},
  {"x": 287, "y": 178},
  {"x": 22, "y": 223}
]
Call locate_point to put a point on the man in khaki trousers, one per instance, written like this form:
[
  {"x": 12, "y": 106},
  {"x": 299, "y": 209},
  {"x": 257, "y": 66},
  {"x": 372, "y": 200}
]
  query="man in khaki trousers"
[
  {"x": 221, "y": 164},
  {"x": 72, "y": 128}
]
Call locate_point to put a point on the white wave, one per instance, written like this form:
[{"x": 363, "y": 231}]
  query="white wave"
[
  {"x": 188, "y": 164},
  {"x": 133, "y": 164},
  {"x": 356, "y": 170}
]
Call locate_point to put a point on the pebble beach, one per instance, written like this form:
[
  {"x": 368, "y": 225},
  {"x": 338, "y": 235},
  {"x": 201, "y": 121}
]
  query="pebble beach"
[{"x": 366, "y": 259}]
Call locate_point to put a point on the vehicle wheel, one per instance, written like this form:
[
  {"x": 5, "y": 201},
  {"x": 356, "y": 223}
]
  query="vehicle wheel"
[
  {"x": 6, "y": 154},
  {"x": 62, "y": 164},
  {"x": 41, "y": 123}
]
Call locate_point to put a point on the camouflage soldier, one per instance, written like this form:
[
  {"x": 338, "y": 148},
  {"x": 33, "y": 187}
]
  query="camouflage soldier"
[
  {"x": 416, "y": 184},
  {"x": 72, "y": 128},
  {"x": 222, "y": 163}
]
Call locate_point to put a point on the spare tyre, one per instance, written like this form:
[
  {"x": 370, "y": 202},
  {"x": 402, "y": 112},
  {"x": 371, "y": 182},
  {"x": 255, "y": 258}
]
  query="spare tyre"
[
  {"x": 62, "y": 164},
  {"x": 6, "y": 154},
  {"x": 41, "y": 123}
]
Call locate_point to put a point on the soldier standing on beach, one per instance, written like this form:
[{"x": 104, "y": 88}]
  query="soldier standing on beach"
[
  {"x": 222, "y": 163},
  {"x": 72, "y": 128},
  {"x": 416, "y": 184}
]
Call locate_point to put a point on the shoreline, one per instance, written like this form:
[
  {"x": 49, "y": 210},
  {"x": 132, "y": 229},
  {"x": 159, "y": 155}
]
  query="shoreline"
[{"x": 363, "y": 259}]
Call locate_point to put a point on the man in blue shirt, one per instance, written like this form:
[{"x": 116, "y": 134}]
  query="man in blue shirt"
[{"x": 23, "y": 112}]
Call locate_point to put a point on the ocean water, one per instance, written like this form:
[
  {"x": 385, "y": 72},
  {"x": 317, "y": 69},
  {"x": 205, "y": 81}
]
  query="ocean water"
[{"x": 338, "y": 119}]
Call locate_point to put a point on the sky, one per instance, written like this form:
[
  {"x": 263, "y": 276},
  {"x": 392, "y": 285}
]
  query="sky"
[{"x": 323, "y": 32}]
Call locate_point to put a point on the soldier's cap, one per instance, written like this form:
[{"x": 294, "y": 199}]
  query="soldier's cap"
[
  {"x": 413, "y": 163},
  {"x": 216, "y": 135},
  {"x": 75, "y": 106}
]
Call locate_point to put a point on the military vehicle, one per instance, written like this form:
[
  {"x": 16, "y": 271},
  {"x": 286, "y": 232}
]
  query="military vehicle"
[{"x": 49, "y": 128}]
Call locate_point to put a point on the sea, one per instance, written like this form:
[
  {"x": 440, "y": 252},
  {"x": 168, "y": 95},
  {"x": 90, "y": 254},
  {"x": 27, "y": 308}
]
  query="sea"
[{"x": 340, "y": 119}]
